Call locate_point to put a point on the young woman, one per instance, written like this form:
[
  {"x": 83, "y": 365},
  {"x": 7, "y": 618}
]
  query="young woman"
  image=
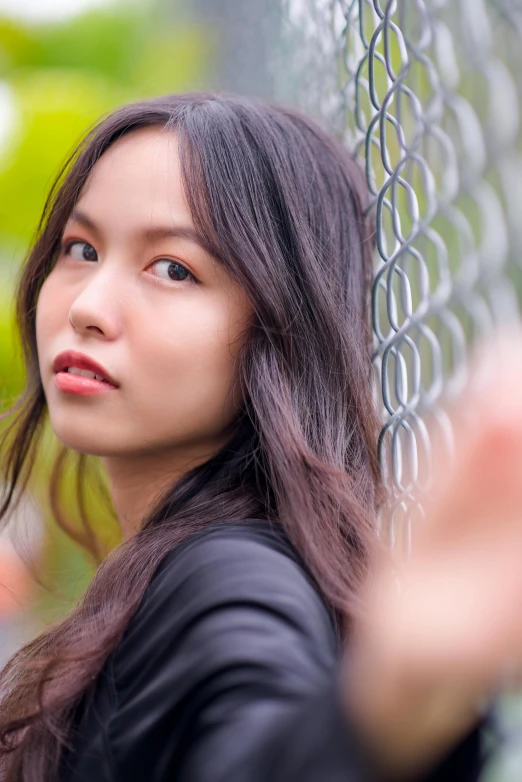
[{"x": 195, "y": 312}]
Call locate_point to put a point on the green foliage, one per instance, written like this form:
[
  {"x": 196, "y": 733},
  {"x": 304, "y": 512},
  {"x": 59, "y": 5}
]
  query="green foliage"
[
  {"x": 56, "y": 80},
  {"x": 11, "y": 369},
  {"x": 62, "y": 77},
  {"x": 53, "y": 107}
]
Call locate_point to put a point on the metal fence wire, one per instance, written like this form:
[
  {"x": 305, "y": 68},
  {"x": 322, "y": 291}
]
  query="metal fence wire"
[{"x": 428, "y": 94}]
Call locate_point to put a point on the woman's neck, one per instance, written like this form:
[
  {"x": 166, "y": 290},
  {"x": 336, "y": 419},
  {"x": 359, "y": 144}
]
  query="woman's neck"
[{"x": 136, "y": 483}]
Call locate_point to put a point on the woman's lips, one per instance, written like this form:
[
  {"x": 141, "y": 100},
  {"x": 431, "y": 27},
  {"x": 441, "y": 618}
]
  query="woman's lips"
[
  {"x": 80, "y": 385},
  {"x": 77, "y": 360}
]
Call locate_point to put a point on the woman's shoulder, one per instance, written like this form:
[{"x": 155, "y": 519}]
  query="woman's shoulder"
[
  {"x": 231, "y": 632},
  {"x": 251, "y": 558},
  {"x": 248, "y": 566},
  {"x": 220, "y": 545}
]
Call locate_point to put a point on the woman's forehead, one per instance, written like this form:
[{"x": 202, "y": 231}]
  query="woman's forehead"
[
  {"x": 148, "y": 154},
  {"x": 140, "y": 175}
]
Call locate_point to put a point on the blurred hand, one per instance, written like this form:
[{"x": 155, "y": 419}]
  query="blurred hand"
[{"x": 444, "y": 625}]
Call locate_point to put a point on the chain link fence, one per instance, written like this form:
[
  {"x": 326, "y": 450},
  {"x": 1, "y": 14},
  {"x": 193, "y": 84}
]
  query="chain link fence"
[{"x": 427, "y": 93}]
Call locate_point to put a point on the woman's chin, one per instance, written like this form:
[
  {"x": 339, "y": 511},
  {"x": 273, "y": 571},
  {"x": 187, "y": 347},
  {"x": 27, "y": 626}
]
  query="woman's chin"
[{"x": 82, "y": 443}]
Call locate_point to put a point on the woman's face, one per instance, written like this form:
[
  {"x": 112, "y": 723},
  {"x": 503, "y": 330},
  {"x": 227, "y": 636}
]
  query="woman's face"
[{"x": 161, "y": 316}]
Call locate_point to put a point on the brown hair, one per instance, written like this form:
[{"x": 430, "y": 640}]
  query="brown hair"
[{"x": 282, "y": 205}]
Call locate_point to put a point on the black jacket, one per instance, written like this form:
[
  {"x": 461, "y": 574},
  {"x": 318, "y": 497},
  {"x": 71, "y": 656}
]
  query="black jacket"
[{"x": 228, "y": 673}]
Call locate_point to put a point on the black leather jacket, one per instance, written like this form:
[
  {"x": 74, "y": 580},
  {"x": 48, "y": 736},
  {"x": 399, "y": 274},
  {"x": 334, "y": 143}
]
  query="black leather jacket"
[{"x": 227, "y": 673}]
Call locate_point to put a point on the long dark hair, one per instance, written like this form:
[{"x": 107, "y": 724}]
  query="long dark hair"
[{"x": 281, "y": 203}]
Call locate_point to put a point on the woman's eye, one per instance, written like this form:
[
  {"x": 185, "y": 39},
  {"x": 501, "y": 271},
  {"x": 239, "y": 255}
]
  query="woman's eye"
[
  {"x": 81, "y": 251},
  {"x": 172, "y": 270}
]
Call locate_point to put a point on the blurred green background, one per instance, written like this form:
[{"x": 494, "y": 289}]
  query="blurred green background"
[{"x": 59, "y": 72}]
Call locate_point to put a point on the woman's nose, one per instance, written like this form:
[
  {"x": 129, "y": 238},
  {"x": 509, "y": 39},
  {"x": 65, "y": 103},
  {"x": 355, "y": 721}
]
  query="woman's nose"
[{"x": 96, "y": 308}]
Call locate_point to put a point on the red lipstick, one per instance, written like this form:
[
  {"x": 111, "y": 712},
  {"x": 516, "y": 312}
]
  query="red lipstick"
[{"x": 73, "y": 383}]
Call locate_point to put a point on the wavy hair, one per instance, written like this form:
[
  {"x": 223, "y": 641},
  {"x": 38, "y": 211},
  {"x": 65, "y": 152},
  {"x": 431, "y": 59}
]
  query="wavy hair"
[{"x": 282, "y": 205}]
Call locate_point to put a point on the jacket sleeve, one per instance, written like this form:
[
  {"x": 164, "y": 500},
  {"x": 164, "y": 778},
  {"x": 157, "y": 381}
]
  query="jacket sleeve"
[{"x": 250, "y": 661}]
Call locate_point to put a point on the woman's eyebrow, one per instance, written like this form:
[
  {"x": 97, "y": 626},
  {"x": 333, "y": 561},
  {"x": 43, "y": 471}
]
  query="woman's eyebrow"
[{"x": 156, "y": 232}]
